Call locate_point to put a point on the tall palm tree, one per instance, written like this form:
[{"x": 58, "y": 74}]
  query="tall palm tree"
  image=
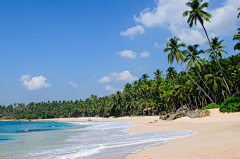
[
  {"x": 193, "y": 58},
  {"x": 198, "y": 14},
  {"x": 218, "y": 48},
  {"x": 176, "y": 54}
]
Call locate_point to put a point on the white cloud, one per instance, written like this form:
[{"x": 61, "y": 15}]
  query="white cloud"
[
  {"x": 168, "y": 14},
  {"x": 74, "y": 85},
  {"x": 127, "y": 53},
  {"x": 123, "y": 76},
  {"x": 131, "y": 32},
  {"x": 25, "y": 77},
  {"x": 145, "y": 54},
  {"x": 118, "y": 77},
  {"x": 224, "y": 19},
  {"x": 105, "y": 79},
  {"x": 156, "y": 45},
  {"x": 111, "y": 89},
  {"x": 34, "y": 83}
]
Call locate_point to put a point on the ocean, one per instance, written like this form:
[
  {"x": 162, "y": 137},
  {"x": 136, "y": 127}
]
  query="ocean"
[{"x": 76, "y": 140}]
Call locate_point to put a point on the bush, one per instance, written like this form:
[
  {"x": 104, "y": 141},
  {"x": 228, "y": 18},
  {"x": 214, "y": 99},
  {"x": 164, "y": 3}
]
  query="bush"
[
  {"x": 63, "y": 116},
  {"x": 231, "y": 104},
  {"x": 211, "y": 106},
  {"x": 97, "y": 116}
]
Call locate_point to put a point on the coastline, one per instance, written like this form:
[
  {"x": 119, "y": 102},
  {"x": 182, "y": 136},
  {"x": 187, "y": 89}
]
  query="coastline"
[{"x": 218, "y": 136}]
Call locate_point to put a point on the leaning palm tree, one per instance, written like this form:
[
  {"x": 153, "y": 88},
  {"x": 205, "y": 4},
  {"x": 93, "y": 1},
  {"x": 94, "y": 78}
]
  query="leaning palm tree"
[
  {"x": 218, "y": 48},
  {"x": 176, "y": 54},
  {"x": 193, "y": 58},
  {"x": 198, "y": 14}
]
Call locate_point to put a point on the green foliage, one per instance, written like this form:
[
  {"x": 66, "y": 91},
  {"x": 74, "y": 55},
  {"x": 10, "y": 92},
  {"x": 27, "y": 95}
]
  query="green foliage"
[
  {"x": 62, "y": 116},
  {"x": 39, "y": 118},
  {"x": 211, "y": 106},
  {"x": 97, "y": 116},
  {"x": 231, "y": 104},
  {"x": 9, "y": 118}
]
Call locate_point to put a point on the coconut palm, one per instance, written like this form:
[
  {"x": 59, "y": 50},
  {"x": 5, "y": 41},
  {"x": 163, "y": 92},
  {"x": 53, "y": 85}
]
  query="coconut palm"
[
  {"x": 176, "y": 54},
  {"x": 158, "y": 75},
  {"x": 198, "y": 14},
  {"x": 218, "y": 48},
  {"x": 237, "y": 37},
  {"x": 193, "y": 58},
  {"x": 145, "y": 77},
  {"x": 171, "y": 74}
]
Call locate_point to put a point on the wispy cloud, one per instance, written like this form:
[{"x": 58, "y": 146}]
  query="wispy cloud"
[{"x": 131, "y": 32}]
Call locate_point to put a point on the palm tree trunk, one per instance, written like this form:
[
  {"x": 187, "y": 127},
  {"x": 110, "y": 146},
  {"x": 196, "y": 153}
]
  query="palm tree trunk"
[
  {"x": 196, "y": 83},
  {"x": 204, "y": 82},
  {"x": 223, "y": 94},
  {"x": 224, "y": 76}
]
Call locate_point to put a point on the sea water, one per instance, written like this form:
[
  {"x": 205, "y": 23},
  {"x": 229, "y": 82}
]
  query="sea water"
[{"x": 80, "y": 140}]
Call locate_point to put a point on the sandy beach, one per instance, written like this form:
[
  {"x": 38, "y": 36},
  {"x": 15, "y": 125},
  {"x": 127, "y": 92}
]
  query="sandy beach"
[{"x": 218, "y": 136}]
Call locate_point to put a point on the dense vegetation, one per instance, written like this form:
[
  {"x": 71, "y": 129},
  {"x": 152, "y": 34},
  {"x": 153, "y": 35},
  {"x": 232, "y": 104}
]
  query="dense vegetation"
[{"x": 202, "y": 82}]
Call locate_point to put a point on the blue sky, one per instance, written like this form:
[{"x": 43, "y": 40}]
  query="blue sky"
[{"x": 68, "y": 50}]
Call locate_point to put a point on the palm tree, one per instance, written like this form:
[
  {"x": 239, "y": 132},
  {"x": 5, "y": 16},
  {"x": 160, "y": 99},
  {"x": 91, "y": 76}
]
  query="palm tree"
[
  {"x": 217, "y": 48},
  {"x": 145, "y": 77},
  {"x": 198, "y": 14},
  {"x": 176, "y": 54},
  {"x": 158, "y": 75},
  {"x": 237, "y": 37},
  {"x": 214, "y": 79},
  {"x": 171, "y": 74},
  {"x": 193, "y": 58}
]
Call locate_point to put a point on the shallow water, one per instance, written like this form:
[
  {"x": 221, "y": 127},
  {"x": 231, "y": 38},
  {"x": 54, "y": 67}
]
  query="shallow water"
[{"x": 77, "y": 140}]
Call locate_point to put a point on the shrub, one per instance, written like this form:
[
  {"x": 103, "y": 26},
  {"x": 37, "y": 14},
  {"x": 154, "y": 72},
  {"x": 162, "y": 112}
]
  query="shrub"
[
  {"x": 97, "y": 116},
  {"x": 63, "y": 116},
  {"x": 231, "y": 104},
  {"x": 39, "y": 118},
  {"x": 211, "y": 106}
]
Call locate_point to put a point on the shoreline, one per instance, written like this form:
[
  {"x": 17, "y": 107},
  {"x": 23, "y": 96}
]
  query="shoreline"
[{"x": 218, "y": 136}]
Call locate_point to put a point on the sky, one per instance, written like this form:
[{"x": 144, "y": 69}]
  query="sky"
[{"x": 70, "y": 49}]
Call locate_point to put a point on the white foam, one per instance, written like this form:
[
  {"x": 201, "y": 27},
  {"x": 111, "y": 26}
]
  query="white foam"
[{"x": 106, "y": 139}]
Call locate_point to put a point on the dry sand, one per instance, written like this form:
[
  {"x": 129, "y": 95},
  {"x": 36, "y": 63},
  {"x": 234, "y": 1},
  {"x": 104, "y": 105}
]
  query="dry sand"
[{"x": 218, "y": 136}]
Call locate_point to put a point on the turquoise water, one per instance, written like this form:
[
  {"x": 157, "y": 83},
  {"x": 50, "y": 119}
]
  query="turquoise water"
[{"x": 80, "y": 140}]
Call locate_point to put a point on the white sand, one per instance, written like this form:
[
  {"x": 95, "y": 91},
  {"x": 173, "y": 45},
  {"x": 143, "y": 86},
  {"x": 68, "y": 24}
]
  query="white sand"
[{"x": 218, "y": 136}]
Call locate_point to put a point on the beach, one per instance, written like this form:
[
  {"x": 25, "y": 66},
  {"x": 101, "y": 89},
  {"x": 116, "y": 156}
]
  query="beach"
[{"x": 218, "y": 136}]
